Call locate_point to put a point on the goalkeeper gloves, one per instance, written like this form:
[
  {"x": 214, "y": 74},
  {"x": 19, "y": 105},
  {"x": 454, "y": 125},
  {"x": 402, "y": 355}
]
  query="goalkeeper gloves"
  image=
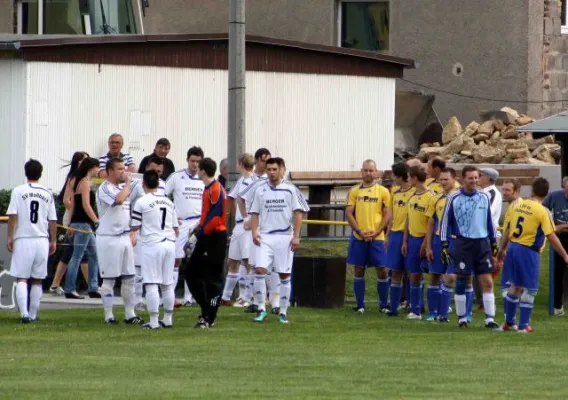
[
  {"x": 494, "y": 249},
  {"x": 446, "y": 259}
]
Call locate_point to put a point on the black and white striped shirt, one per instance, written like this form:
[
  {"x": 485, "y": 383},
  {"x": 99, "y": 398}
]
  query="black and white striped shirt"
[{"x": 126, "y": 157}]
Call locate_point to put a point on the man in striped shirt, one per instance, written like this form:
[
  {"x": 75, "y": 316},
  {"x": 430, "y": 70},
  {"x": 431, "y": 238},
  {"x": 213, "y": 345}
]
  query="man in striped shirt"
[{"x": 115, "y": 143}]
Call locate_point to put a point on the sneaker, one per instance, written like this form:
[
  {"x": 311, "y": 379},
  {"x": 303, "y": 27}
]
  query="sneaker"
[
  {"x": 462, "y": 323},
  {"x": 201, "y": 324},
  {"x": 111, "y": 321},
  {"x": 559, "y": 312},
  {"x": 261, "y": 316},
  {"x": 384, "y": 310},
  {"x": 163, "y": 325},
  {"x": 391, "y": 314},
  {"x": 505, "y": 327},
  {"x": 240, "y": 303},
  {"x": 283, "y": 319},
  {"x": 134, "y": 321},
  {"x": 224, "y": 303},
  {"x": 443, "y": 319},
  {"x": 251, "y": 309},
  {"x": 140, "y": 306},
  {"x": 359, "y": 310},
  {"x": 148, "y": 327},
  {"x": 490, "y": 324},
  {"x": 188, "y": 304},
  {"x": 527, "y": 329},
  {"x": 275, "y": 311},
  {"x": 414, "y": 317},
  {"x": 431, "y": 317},
  {"x": 469, "y": 318},
  {"x": 27, "y": 320},
  {"x": 56, "y": 291}
]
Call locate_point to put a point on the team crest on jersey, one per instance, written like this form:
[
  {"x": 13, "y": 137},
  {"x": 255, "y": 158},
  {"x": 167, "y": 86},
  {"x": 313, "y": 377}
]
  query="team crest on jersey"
[
  {"x": 418, "y": 207},
  {"x": 400, "y": 203},
  {"x": 462, "y": 265}
]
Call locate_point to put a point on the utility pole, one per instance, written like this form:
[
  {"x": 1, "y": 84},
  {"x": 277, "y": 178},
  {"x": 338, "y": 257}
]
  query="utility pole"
[{"x": 237, "y": 85}]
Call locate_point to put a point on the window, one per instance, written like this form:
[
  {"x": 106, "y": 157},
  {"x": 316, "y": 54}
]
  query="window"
[
  {"x": 75, "y": 17},
  {"x": 563, "y": 18},
  {"x": 364, "y": 24}
]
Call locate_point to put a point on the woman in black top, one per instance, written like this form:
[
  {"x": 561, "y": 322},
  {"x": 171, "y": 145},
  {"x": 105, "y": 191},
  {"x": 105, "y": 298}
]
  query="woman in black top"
[{"x": 83, "y": 221}]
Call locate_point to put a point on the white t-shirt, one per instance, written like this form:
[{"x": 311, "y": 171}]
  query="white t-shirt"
[
  {"x": 113, "y": 220},
  {"x": 188, "y": 191},
  {"x": 496, "y": 204},
  {"x": 156, "y": 216},
  {"x": 34, "y": 206},
  {"x": 276, "y": 205},
  {"x": 248, "y": 188},
  {"x": 137, "y": 190}
]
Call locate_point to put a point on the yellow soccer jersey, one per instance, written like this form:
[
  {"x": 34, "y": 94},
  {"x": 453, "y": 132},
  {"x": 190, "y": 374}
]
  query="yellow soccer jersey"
[
  {"x": 435, "y": 210},
  {"x": 435, "y": 186},
  {"x": 530, "y": 223},
  {"x": 507, "y": 219},
  {"x": 399, "y": 207},
  {"x": 417, "y": 218},
  {"x": 369, "y": 203}
]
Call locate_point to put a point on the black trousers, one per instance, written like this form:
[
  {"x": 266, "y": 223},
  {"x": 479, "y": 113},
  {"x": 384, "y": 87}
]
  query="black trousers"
[
  {"x": 205, "y": 274},
  {"x": 559, "y": 269}
]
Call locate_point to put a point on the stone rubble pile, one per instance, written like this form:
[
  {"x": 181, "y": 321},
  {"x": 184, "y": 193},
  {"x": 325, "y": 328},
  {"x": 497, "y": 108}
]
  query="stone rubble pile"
[{"x": 494, "y": 141}]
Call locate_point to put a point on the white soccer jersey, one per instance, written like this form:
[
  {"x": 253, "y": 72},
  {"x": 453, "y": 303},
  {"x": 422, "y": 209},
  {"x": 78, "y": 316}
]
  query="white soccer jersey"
[
  {"x": 241, "y": 184},
  {"x": 156, "y": 216},
  {"x": 137, "y": 190},
  {"x": 188, "y": 191},
  {"x": 113, "y": 220},
  {"x": 276, "y": 205},
  {"x": 34, "y": 206},
  {"x": 248, "y": 188}
]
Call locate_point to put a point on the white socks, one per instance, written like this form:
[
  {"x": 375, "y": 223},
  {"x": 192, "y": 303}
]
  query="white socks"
[
  {"x": 260, "y": 291},
  {"x": 285, "y": 288},
  {"x": 22, "y": 298},
  {"x": 230, "y": 283},
  {"x": 153, "y": 304},
  {"x": 138, "y": 286},
  {"x": 169, "y": 298},
  {"x": 275, "y": 290},
  {"x": 250, "y": 285},
  {"x": 127, "y": 294},
  {"x": 489, "y": 304},
  {"x": 107, "y": 293},
  {"x": 35, "y": 298},
  {"x": 242, "y": 282},
  {"x": 460, "y": 300}
]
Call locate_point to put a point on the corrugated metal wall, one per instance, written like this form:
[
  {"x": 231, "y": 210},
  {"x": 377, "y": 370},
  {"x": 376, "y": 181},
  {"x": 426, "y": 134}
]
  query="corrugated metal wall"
[
  {"x": 12, "y": 122},
  {"x": 315, "y": 122}
]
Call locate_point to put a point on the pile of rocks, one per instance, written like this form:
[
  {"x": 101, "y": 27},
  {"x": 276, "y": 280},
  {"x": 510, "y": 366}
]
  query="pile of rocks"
[{"x": 494, "y": 141}]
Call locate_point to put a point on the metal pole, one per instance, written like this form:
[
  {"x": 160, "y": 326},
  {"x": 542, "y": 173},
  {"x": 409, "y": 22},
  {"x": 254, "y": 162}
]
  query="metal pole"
[{"x": 237, "y": 107}]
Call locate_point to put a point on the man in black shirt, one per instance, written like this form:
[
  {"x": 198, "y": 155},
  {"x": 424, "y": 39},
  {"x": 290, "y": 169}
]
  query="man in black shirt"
[{"x": 161, "y": 150}]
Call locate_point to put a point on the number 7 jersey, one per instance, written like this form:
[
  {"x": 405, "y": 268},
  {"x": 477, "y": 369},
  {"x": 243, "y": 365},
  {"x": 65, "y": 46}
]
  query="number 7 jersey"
[
  {"x": 34, "y": 206},
  {"x": 156, "y": 216}
]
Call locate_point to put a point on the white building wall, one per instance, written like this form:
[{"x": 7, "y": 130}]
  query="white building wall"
[
  {"x": 12, "y": 122},
  {"x": 315, "y": 122}
]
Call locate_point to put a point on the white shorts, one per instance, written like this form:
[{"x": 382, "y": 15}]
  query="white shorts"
[
  {"x": 29, "y": 258},
  {"x": 116, "y": 256},
  {"x": 275, "y": 251},
  {"x": 239, "y": 247},
  {"x": 184, "y": 228},
  {"x": 137, "y": 250},
  {"x": 158, "y": 263}
]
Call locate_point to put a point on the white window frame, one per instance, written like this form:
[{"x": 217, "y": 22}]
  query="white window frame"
[{"x": 340, "y": 14}]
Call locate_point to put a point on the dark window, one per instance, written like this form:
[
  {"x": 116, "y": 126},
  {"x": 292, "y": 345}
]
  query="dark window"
[{"x": 365, "y": 25}]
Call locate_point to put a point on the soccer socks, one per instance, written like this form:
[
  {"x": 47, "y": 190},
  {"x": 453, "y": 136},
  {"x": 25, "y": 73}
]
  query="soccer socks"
[
  {"x": 230, "y": 283},
  {"x": 415, "y": 298},
  {"x": 168, "y": 298},
  {"x": 107, "y": 293},
  {"x": 434, "y": 295},
  {"x": 359, "y": 289},
  {"x": 469, "y": 300},
  {"x": 460, "y": 297},
  {"x": 421, "y": 294},
  {"x": 383, "y": 291},
  {"x": 35, "y": 298},
  {"x": 242, "y": 281},
  {"x": 127, "y": 294},
  {"x": 285, "y": 288},
  {"x": 260, "y": 291},
  {"x": 489, "y": 305},
  {"x": 275, "y": 290},
  {"x": 510, "y": 305},
  {"x": 445, "y": 301},
  {"x": 138, "y": 286},
  {"x": 249, "y": 286},
  {"x": 527, "y": 304},
  {"x": 153, "y": 304},
  {"x": 395, "y": 290},
  {"x": 22, "y": 298}
]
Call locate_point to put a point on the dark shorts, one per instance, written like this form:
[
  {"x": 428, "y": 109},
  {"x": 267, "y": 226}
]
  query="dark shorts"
[
  {"x": 68, "y": 251},
  {"x": 472, "y": 256},
  {"x": 414, "y": 263},
  {"x": 366, "y": 254},
  {"x": 395, "y": 259},
  {"x": 523, "y": 266}
]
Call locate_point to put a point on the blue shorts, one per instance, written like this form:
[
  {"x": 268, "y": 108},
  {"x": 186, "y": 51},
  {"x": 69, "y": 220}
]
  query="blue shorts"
[
  {"x": 414, "y": 263},
  {"x": 524, "y": 265},
  {"x": 395, "y": 259},
  {"x": 437, "y": 266},
  {"x": 506, "y": 272},
  {"x": 472, "y": 256},
  {"x": 366, "y": 254}
]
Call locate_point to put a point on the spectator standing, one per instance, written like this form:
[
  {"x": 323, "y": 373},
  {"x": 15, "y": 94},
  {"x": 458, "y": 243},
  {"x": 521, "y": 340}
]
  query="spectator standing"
[
  {"x": 557, "y": 203},
  {"x": 115, "y": 143},
  {"x": 223, "y": 173},
  {"x": 161, "y": 150}
]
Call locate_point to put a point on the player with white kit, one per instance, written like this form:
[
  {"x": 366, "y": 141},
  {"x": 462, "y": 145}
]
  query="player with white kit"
[
  {"x": 187, "y": 190},
  {"x": 154, "y": 163},
  {"x": 154, "y": 217},
  {"x": 276, "y": 221},
  {"x": 32, "y": 231},
  {"x": 115, "y": 241}
]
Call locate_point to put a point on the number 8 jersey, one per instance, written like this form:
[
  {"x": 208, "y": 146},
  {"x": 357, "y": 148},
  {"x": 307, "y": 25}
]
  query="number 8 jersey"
[
  {"x": 34, "y": 206},
  {"x": 156, "y": 216}
]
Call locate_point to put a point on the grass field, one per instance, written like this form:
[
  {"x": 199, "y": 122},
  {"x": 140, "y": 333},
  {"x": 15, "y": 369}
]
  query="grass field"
[{"x": 320, "y": 354}]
